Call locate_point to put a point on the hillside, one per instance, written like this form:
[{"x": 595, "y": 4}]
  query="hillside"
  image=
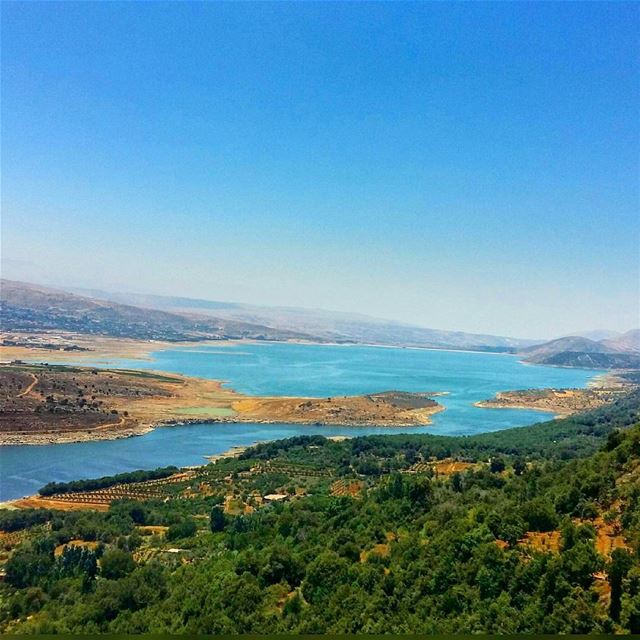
[
  {"x": 598, "y": 334},
  {"x": 576, "y": 351},
  {"x": 328, "y": 325},
  {"x": 627, "y": 342},
  {"x": 27, "y": 307},
  {"x": 593, "y": 360},
  {"x": 379, "y": 534},
  {"x": 571, "y": 343}
]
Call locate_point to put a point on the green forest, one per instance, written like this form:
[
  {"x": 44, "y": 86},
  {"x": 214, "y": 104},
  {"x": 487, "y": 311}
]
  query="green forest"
[{"x": 529, "y": 530}]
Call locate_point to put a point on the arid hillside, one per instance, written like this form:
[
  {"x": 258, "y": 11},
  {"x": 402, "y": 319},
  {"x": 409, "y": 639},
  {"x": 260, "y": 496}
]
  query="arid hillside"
[
  {"x": 575, "y": 351},
  {"x": 27, "y": 307}
]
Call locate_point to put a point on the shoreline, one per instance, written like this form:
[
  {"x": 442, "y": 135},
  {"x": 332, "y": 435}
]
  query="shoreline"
[
  {"x": 561, "y": 402},
  {"x": 146, "y": 400},
  {"x": 13, "y": 504},
  {"x": 232, "y": 452},
  {"x": 556, "y": 415},
  {"x": 231, "y": 407},
  {"x": 130, "y": 348},
  {"x": 105, "y": 349},
  {"x": 44, "y": 439}
]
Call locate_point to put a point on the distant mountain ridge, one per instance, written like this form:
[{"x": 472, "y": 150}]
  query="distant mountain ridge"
[
  {"x": 330, "y": 326},
  {"x": 597, "y": 334},
  {"x": 575, "y": 351},
  {"x": 627, "y": 342},
  {"x": 569, "y": 343},
  {"x": 27, "y": 307}
]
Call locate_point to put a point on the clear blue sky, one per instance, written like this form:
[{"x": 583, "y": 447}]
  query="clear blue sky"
[{"x": 466, "y": 166}]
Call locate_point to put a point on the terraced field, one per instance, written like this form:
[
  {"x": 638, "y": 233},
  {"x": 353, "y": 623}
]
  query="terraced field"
[
  {"x": 442, "y": 467},
  {"x": 347, "y": 488}
]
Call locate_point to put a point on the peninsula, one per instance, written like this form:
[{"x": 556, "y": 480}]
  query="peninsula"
[
  {"x": 51, "y": 403},
  {"x": 563, "y": 402}
]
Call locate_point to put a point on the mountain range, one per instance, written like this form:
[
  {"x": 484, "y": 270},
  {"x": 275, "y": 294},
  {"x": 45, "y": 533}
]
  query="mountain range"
[
  {"x": 620, "y": 352},
  {"x": 319, "y": 324},
  {"x": 30, "y": 307}
]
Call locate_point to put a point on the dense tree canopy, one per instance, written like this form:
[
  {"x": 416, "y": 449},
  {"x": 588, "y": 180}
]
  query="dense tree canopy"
[{"x": 543, "y": 541}]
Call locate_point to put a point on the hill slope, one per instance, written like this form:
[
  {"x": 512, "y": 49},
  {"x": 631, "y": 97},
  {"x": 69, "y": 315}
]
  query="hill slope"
[
  {"x": 328, "y": 325},
  {"x": 627, "y": 342},
  {"x": 381, "y": 534},
  {"x": 575, "y": 351},
  {"x": 27, "y": 307}
]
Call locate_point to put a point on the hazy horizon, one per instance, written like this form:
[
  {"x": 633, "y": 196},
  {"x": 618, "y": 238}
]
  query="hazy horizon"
[
  {"x": 95, "y": 291},
  {"x": 468, "y": 167}
]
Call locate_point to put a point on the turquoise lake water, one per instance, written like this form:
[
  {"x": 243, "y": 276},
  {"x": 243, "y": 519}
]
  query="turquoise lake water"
[{"x": 293, "y": 369}]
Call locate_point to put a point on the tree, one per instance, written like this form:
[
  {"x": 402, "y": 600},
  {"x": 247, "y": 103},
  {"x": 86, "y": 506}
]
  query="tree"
[
  {"x": 411, "y": 456},
  {"x": 77, "y": 561},
  {"x": 519, "y": 466},
  {"x": 497, "y": 465},
  {"x": 183, "y": 529},
  {"x": 632, "y": 614},
  {"x": 324, "y": 575},
  {"x": 618, "y": 568},
  {"x": 350, "y": 551},
  {"x": 138, "y": 514},
  {"x": 580, "y": 562},
  {"x": 116, "y": 563},
  {"x": 282, "y": 565},
  {"x": 614, "y": 439},
  {"x": 293, "y": 606},
  {"x": 28, "y": 567},
  {"x": 540, "y": 515},
  {"x": 217, "y": 520}
]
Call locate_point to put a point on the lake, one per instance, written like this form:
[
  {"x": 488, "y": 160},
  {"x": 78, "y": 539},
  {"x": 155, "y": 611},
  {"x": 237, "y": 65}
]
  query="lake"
[{"x": 293, "y": 369}]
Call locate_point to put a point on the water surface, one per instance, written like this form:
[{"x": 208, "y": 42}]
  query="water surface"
[
  {"x": 293, "y": 369},
  {"x": 283, "y": 369}
]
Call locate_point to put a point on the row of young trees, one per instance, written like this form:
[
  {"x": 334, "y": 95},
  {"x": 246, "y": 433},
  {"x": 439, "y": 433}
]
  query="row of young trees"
[{"x": 76, "y": 486}]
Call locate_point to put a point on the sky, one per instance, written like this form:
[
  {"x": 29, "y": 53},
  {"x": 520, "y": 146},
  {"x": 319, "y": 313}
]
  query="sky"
[{"x": 464, "y": 166}]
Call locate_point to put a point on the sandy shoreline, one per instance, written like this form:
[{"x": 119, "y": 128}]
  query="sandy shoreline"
[
  {"x": 102, "y": 349},
  {"x": 483, "y": 404},
  {"x": 84, "y": 436}
]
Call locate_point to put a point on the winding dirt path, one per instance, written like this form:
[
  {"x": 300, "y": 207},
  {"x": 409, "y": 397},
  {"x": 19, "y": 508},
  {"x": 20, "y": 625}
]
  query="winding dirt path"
[
  {"x": 30, "y": 387},
  {"x": 120, "y": 423}
]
